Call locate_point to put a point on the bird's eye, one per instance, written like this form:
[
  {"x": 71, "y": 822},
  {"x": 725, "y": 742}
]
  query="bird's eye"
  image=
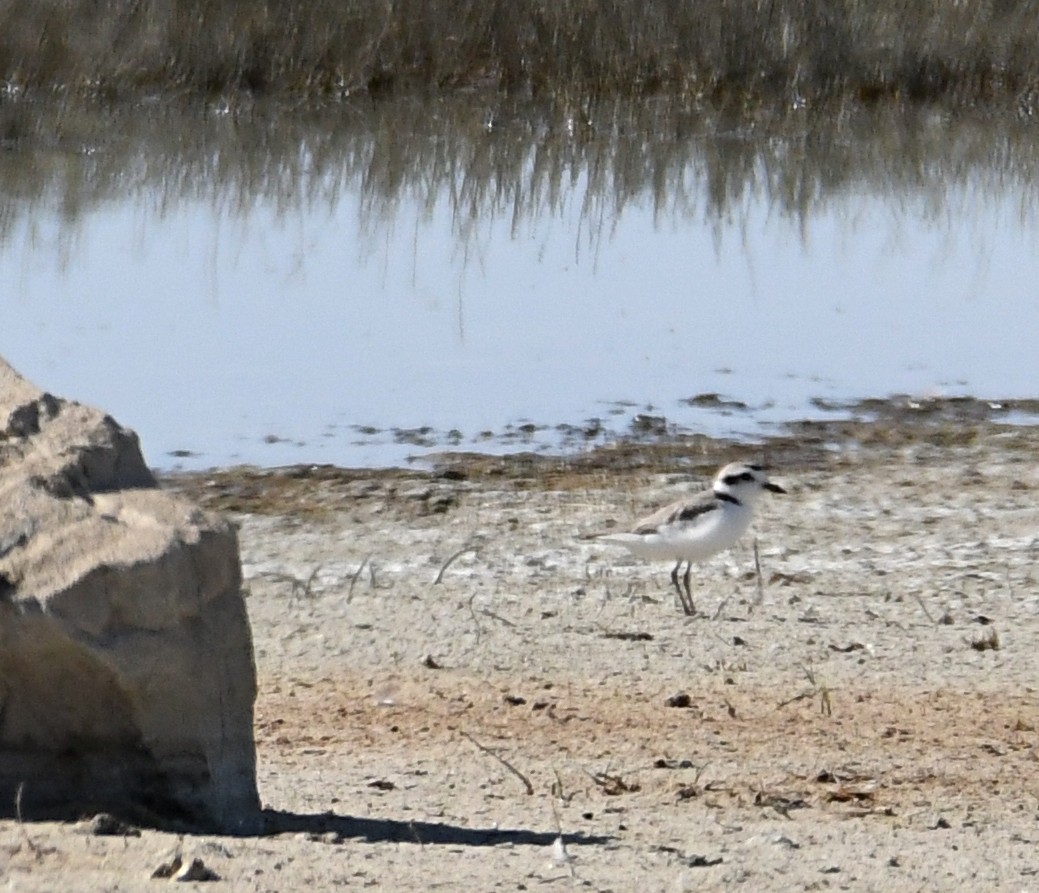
[{"x": 746, "y": 476}]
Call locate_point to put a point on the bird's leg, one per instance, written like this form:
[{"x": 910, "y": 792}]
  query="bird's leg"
[
  {"x": 684, "y": 597},
  {"x": 678, "y": 586},
  {"x": 691, "y": 609}
]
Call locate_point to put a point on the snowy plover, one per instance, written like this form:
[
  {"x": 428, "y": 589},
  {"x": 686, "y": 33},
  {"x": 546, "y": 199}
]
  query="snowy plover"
[{"x": 694, "y": 529}]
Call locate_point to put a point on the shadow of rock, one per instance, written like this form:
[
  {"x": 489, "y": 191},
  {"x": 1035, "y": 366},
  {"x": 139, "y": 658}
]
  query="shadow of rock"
[{"x": 395, "y": 831}]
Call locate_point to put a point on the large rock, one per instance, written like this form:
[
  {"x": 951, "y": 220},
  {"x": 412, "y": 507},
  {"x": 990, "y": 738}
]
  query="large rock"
[{"x": 126, "y": 667}]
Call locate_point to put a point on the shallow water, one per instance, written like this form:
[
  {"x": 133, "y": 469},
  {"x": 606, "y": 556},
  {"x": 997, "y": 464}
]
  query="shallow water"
[{"x": 363, "y": 285}]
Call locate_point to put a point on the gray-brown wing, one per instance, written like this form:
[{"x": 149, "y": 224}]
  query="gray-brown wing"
[{"x": 682, "y": 510}]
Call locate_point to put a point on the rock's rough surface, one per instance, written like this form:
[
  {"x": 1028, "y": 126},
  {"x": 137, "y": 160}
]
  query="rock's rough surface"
[{"x": 127, "y": 679}]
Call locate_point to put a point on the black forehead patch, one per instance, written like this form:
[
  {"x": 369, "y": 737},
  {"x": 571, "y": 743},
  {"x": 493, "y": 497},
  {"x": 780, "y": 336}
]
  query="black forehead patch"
[{"x": 754, "y": 467}]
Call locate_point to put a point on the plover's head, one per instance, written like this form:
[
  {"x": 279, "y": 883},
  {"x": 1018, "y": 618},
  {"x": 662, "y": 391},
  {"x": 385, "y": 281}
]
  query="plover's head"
[{"x": 744, "y": 482}]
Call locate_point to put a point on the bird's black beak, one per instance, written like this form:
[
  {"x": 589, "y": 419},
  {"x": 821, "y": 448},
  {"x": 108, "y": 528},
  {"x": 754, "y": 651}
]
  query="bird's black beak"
[{"x": 775, "y": 488}]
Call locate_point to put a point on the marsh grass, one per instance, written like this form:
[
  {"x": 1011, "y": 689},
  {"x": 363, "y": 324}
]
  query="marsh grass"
[{"x": 730, "y": 50}]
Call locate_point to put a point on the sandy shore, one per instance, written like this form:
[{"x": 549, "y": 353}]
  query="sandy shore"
[{"x": 450, "y": 678}]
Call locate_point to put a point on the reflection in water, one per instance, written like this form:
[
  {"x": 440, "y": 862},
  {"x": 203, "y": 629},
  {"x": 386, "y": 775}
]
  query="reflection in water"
[
  {"x": 507, "y": 159},
  {"x": 324, "y": 276}
]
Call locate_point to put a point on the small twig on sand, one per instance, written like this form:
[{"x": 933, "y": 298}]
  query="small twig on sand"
[
  {"x": 923, "y": 608},
  {"x": 559, "y": 793},
  {"x": 476, "y": 620},
  {"x": 37, "y": 851},
  {"x": 310, "y": 580},
  {"x": 560, "y": 856},
  {"x": 446, "y": 564},
  {"x": 523, "y": 778},
  {"x": 487, "y": 612},
  {"x": 356, "y": 577},
  {"x": 803, "y": 696},
  {"x": 300, "y": 587},
  {"x": 414, "y": 833},
  {"x": 761, "y": 583},
  {"x": 818, "y": 688}
]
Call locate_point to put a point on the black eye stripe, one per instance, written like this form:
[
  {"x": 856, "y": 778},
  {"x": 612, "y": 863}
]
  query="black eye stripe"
[{"x": 730, "y": 480}]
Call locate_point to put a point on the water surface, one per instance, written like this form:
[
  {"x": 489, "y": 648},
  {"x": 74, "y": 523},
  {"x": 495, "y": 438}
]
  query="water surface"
[{"x": 363, "y": 284}]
